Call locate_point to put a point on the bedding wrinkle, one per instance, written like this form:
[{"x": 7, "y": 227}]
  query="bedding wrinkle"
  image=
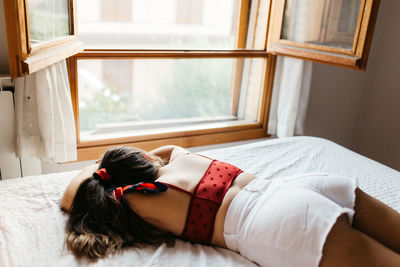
[
  {"x": 44, "y": 191},
  {"x": 155, "y": 257},
  {"x": 32, "y": 227}
]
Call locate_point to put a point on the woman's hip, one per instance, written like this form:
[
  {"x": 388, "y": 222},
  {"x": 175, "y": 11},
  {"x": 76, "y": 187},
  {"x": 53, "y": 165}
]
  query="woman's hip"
[{"x": 286, "y": 220}]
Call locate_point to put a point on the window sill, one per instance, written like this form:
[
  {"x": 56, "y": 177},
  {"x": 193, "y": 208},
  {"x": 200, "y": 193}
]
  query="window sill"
[
  {"x": 89, "y": 150},
  {"x": 145, "y": 128}
]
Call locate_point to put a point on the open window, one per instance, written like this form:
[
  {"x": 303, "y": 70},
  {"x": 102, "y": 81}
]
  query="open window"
[
  {"x": 39, "y": 33},
  {"x": 184, "y": 72},
  {"x": 337, "y": 32},
  {"x": 188, "y": 72}
]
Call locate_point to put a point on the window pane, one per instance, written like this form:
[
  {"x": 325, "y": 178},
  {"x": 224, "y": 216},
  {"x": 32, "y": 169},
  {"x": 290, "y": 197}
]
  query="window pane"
[
  {"x": 48, "y": 19},
  {"x": 325, "y": 22},
  {"x": 126, "y": 97},
  {"x": 158, "y": 24},
  {"x": 257, "y": 23}
]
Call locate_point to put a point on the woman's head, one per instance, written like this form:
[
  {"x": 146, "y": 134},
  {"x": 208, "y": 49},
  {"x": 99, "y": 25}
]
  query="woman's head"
[
  {"x": 99, "y": 224},
  {"x": 127, "y": 165}
]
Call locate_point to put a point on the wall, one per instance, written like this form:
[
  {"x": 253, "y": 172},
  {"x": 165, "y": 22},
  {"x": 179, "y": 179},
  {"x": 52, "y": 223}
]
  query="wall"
[
  {"x": 361, "y": 110},
  {"x": 334, "y": 105},
  {"x": 378, "y": 134},
  {"x": 4, "y": 69}
]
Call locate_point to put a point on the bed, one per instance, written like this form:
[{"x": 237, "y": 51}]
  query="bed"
[{"x": 32, "y": 224}]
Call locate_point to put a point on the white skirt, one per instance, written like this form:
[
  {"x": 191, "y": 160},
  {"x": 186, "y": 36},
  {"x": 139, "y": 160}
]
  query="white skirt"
[{"x": 285, "y": 221}]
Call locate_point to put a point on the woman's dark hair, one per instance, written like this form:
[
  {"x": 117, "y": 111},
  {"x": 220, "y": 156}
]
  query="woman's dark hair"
[{"x": 99, "y": 224}]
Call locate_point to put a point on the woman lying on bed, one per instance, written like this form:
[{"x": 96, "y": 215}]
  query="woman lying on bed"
[{"x": 135, "y": 197}]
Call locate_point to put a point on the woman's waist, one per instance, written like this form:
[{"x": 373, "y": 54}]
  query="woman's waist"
[
  {"x": 242, "y": 180},
  {"x": 237, "y": 185}
]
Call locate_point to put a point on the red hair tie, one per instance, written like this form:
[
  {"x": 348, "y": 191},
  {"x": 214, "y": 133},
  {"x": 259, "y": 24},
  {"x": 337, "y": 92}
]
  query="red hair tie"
[
  {"x": 149, "y": 188},
  {"x": 102, "y": 173},
  {"x": 117, "y": 193}
]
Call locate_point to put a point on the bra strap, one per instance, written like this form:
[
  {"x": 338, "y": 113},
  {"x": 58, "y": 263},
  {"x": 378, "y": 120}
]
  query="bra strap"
[{"x": 178, "y": 188}]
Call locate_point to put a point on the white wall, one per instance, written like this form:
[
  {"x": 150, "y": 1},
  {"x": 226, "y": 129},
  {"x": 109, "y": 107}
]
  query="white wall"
[
  {"x": 4, "y": 69},
  {"x": 361, "y": 110}
]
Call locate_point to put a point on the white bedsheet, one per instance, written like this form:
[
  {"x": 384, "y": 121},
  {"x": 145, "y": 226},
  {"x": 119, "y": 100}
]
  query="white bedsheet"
[{"x": 32, "y": 225}]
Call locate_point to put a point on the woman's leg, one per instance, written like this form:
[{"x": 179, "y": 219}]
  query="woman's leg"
[
  {"x": 346, "y": 246},
  {"x": 377, "y": 220}
]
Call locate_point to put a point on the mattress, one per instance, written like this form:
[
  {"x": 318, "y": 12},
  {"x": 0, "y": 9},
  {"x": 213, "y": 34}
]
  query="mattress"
[{"x": 32, "y": 224}]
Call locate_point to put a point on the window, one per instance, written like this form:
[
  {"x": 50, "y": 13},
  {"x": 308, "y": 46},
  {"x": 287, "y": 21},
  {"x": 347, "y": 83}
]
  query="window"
[
  {"x": 192, "y": 72},
  {"x": 39, "y": 33},
  {"x": 185, "y": 72},
  {"x": 130, "y": 97},
  {"x": 329, "y": 31}
]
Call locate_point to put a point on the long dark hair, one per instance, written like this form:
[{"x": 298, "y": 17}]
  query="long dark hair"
[{"x": 100, "y": 225}]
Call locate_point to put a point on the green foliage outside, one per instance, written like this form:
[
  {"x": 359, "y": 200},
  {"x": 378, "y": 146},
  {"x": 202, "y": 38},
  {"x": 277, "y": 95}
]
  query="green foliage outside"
[
  {"x": 106, "y": 106},
  {"x": 194, "y": 88}
]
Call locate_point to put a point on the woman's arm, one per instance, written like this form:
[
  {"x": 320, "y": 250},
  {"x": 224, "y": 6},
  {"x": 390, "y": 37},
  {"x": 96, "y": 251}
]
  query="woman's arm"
[
  {"x": 168, "y": 152},
  {"x": 73, "y": 186}
]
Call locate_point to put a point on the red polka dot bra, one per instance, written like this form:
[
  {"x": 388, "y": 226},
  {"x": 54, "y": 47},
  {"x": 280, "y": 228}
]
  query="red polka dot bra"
[{"x": 206, "y": 200}]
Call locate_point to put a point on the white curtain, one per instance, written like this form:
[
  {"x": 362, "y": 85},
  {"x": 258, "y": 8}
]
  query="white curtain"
[
  {"x": 44, "y": 118},
  {"x": 289, "y": 97}
]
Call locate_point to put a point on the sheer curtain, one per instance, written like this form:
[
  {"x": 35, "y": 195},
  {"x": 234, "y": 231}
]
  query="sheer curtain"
[
  {"x": 44, "y": 118},
  {"x": 289, "y": 97}
]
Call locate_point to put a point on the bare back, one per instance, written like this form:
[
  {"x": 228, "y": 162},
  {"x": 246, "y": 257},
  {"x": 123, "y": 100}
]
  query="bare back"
[{"x": 168, "y": 211}]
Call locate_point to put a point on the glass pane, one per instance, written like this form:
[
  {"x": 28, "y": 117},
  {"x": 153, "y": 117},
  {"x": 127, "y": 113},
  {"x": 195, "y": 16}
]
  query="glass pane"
[
  {"x": 158, "y": 24},
  {"x": 48, "y": 19},
  {"x": 126, "y": 97},
  {"x": 325, "y": 22},
  {"x": 257, "y": 24}
]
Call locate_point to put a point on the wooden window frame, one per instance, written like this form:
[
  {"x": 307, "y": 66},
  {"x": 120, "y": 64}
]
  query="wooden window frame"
[
  {"x": 88, "y": 150},
  {"x": 356, "y": 58},
  {"x": 187, "y": 138},
  {"x": 25, "y": 59}
]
